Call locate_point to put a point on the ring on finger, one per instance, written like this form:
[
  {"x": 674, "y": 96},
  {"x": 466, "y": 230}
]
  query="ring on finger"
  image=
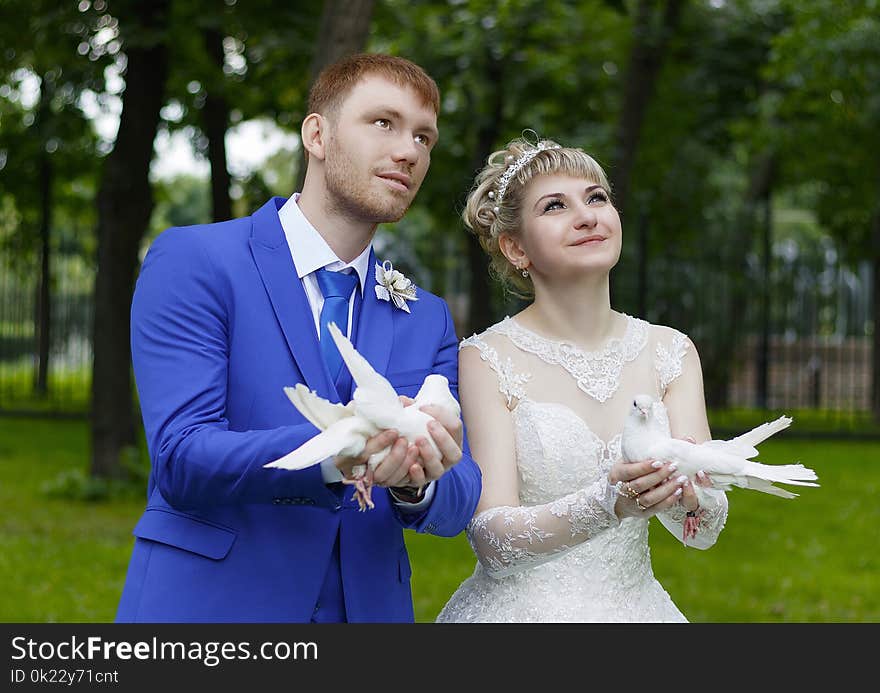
[{"x": 638, "y": 503}]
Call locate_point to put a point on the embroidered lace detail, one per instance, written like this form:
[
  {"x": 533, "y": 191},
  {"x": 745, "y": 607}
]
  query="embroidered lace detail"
[
  {"x": 598, "y": 372},
  {"x": 712, "y": 517},
  {"x": 510, "y": 383},
  {"x": 509, "y": 539},
  {"x": 668, "y": 361}
]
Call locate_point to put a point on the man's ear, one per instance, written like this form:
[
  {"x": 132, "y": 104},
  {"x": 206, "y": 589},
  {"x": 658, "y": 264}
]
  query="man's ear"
[
  {"x": 513, "y": 251},
  {"x": 314, "y": 135}
]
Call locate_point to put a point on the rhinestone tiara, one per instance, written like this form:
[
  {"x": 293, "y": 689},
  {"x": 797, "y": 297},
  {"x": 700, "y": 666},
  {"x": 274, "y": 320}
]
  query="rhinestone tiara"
[{"x": 514, "y": 168}]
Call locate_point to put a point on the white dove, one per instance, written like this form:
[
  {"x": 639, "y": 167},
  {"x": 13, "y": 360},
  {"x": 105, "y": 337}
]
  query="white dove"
[
  {"x": 374, "y": 407},
  {"x": 727, "y": 462}
]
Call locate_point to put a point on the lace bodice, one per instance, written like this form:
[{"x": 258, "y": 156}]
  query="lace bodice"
[{"x": 563, "y": 542}]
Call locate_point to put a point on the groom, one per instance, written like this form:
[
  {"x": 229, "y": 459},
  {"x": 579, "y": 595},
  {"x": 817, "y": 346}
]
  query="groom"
[{"x": 225, "y": 315}]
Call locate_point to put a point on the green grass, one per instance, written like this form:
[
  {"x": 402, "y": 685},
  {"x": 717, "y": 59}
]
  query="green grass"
[
  {"x": 811, "y": 559},
  {"x": 60, "y": 560}
]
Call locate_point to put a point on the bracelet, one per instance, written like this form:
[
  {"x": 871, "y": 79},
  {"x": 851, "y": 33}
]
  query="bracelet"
[{"x": 407, "y": 494}]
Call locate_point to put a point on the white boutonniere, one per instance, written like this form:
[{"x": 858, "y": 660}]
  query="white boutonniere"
[{"x": 391, "y": 285}]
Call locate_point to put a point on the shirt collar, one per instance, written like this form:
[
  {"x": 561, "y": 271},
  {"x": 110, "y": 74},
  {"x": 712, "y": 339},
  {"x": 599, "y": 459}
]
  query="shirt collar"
[{"x": 308, "y": 248}]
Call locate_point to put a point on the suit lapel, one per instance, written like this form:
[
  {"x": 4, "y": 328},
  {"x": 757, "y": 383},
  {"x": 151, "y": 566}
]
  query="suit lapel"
[
  {"x": 375, "y": 330},
  {"x": 288, "y": 298}
]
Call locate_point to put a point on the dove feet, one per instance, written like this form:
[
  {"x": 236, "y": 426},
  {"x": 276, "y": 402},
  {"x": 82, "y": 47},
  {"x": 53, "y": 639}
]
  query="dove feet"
[
  {"x": 691, "y": 525},
  {"x": 363, "y": 488}
]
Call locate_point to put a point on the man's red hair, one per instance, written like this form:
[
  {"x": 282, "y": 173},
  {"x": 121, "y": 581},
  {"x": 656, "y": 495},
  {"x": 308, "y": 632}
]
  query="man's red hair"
[{"x": 336, "y": 81}]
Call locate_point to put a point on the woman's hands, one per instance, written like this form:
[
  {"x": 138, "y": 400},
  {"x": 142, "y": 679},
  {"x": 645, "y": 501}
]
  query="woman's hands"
[{"x": 646, "y": 488}]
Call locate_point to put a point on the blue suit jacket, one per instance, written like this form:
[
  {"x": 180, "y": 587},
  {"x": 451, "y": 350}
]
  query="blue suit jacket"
[{"x": 220, "y": 324}]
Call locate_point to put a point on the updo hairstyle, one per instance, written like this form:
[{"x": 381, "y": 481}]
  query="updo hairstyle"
[{"x": 489, "y": 217}]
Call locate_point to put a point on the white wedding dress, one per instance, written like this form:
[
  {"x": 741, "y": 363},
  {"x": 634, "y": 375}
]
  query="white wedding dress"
[{"x": 562, "y": 555}]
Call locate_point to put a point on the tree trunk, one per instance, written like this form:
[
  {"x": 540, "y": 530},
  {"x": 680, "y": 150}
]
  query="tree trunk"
[
  {"x": 216, "y": 121},
  {"x": 125, "y": 203},
  {"x": 875, "y": 344},
  {"x": 645, "y": 61},
  {"x": 345, "y": 26},
  {"x": 44, "y": 304},
  {"x": 718, "y": 357},
  {"x": 480, "y": 300},
  {"x": 762, "y": 356}
]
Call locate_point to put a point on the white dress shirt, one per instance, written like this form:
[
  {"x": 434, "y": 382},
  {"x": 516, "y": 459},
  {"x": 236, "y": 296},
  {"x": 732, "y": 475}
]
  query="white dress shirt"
[{"x": 310, "y": 252}]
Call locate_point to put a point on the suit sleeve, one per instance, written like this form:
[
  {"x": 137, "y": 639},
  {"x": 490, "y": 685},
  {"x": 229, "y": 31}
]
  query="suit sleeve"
[
  {"x": 457, "y": 492},
  {"x": 180, "y": 324}
]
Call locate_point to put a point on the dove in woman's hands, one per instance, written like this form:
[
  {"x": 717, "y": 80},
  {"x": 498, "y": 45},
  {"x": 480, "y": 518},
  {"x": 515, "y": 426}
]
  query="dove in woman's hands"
[{"x": 727, "y": 462}]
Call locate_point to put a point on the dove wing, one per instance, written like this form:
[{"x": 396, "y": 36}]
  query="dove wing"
[
  {"x": 691, "y": 458},
  {"x": 744, "y": 445},
  {"x": 374, "y": 396},
  {"x": 760, "y": 433},
  {"x": 726, "y": 469},
  {"x": 345, "y": 437},
  {"x": 321, "y": 413}
]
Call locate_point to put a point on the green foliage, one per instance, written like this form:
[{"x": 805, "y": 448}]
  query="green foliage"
[
  {"x": 826, "y": 66},
  {"x": 78, "y": 485}
]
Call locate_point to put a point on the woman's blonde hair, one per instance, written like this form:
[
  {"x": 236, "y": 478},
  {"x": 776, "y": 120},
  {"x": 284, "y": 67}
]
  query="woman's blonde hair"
[{"x": 489, "y": 214}]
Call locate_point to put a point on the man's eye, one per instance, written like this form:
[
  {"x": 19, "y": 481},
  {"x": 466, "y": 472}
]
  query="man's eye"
[
  {"x": 423, "y": 140},
  {"x": 382, "y": 122}
]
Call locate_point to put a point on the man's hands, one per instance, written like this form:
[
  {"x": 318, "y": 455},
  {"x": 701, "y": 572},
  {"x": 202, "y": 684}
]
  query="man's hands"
[{"x": 411, "y": 464}]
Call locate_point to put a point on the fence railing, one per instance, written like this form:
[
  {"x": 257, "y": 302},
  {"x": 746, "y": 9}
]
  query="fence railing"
[{"x": 789, "y": 353}]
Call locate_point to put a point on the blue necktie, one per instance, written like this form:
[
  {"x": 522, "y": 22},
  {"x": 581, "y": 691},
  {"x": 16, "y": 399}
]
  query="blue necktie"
[{"x": 337, "y": 288}]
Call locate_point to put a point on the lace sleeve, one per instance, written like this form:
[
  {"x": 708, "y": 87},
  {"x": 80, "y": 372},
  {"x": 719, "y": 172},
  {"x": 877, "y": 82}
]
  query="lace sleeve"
[
  {"x": 508, "y": 539},
  {"x": 668, "y": 360},
  {"x": 510, "y": 383},
  {"x": 712, "y": 516}
]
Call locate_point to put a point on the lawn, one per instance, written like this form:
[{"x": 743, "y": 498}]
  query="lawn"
[{"x": 811, "y": 559}]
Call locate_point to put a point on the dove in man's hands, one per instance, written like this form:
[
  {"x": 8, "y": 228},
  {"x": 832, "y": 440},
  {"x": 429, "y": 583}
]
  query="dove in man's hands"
[
  {"x": 374, "y": 407},
  {"x": 727, "y": 462}
]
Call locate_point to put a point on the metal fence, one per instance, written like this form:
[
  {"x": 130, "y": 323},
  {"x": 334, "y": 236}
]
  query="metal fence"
[
  {"x": 68, "y": 383},
  {"x": 789, "y": 335}
]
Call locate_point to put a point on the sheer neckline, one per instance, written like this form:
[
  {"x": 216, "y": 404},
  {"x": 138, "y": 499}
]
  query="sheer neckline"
[
  {"x": 597, "y": 373},
  {"x": 609, "y": 344}
]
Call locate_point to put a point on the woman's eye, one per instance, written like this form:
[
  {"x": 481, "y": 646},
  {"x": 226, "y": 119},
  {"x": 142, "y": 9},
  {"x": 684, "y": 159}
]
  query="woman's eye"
[
  {"x": 598, "y": 196},
  {"x": 553, "y": 204}
]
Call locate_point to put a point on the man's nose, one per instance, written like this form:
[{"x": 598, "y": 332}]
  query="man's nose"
[{"x": 405, "y": 149}]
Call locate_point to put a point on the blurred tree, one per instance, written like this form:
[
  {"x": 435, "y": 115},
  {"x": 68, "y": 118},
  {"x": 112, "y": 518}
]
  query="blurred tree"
[
  {"x": 699, "y": 181},
  {"x": 501, "y": 68},
  {"x": 827, "y": 66},
  {"x": 45, "y": 139},
  {"x": 125, "y": 203},
  {"x": 344, "y": 28}
]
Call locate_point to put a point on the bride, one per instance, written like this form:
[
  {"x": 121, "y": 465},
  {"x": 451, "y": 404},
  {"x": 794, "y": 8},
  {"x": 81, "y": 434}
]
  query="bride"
[{"x": 561, "y": 529}]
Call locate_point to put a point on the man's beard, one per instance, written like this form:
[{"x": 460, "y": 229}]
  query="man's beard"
[{"x": 351, "y": 194}]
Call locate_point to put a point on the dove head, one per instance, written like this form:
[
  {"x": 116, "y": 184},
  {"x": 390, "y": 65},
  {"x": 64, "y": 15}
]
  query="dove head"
[{"x": 642, "y": 406}]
